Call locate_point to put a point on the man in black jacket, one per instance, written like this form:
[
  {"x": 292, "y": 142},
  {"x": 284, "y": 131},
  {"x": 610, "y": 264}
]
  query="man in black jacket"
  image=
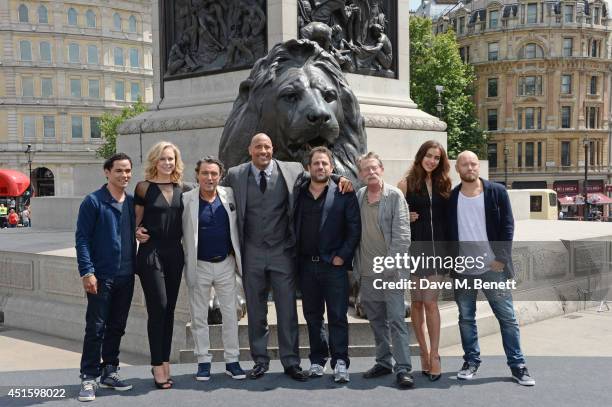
[{"x": 328, "y": 229}]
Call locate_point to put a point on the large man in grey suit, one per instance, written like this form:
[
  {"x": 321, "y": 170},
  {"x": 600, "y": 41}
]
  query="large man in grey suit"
[{"x": 263, "y": 189}]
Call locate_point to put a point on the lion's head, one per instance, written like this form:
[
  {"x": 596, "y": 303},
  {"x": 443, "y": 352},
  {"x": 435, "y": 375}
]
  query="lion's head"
[{"x": 299, "y": 97}]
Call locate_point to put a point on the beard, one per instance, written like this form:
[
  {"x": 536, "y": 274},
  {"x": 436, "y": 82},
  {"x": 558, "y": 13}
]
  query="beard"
[{"x": 468, "y": 177}]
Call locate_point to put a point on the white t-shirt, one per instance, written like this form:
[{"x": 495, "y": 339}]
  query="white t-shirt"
[{"x": 472, "y": 225}]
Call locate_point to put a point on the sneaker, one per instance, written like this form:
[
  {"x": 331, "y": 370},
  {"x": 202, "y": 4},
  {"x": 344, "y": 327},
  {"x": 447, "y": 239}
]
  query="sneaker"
[
  {"x": 110, "y": 379},
  {"x": 203, "y": 373},
  {"x": 521, "y": 375},
  {"x": 467, "y": 372},
  {"x": 341, "y": 374},
  {"x": 316, "y": 370},
  {"x": 88, "y": 390},
  {"x": 235, "y": 371}
]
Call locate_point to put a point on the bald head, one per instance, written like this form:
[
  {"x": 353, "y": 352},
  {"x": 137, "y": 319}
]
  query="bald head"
[
  {"x": 261, "y": 150},
  {"x": 468, "y": 166}
]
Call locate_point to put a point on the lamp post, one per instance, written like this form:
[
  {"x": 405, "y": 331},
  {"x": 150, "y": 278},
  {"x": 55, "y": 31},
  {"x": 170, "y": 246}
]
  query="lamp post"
[
  {"x": 586, "y": 175},
  {"x": 29, "y": 153},
  {"x": 439, "y": 105},
  {"x": 506, "y": 152}
]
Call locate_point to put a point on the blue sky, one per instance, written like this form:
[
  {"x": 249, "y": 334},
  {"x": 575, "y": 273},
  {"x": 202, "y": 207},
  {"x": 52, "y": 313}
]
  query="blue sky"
[{"x": 414, "y": 4}]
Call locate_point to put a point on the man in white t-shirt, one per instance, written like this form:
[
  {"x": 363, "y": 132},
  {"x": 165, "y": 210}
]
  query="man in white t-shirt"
[{"x": 480, "y": 218}]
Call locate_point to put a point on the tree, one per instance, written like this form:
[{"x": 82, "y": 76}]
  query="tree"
[
  {"x": 109, "y": 124},
  {"x": 435, "y": 60}
]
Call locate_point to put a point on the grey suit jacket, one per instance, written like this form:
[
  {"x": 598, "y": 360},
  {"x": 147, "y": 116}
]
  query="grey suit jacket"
[{"x": 237, "y": 178}]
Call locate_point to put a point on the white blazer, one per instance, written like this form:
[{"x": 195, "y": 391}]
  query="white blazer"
[{"x": 191, "y": 205}]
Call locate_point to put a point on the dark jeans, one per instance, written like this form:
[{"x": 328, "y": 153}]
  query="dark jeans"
[
  {"x": 325, "y": 286},
  {"x": 107, "y": 313},
  {"x": 160, "y": 268},
  {"x": 502, "y": 306}
]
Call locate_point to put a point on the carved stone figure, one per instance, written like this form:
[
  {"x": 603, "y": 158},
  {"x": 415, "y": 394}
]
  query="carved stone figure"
[{"x": 297, "y": 95}]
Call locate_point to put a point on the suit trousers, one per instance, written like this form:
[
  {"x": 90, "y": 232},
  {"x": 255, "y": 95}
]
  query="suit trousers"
[
  {"x": 387, "y": 320},
  {"x": 221, "y": 276},
  {"x": 274, "y": 267}
]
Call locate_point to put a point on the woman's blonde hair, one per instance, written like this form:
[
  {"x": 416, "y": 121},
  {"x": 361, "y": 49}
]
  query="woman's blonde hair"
[{"x": 153, "y": 157}]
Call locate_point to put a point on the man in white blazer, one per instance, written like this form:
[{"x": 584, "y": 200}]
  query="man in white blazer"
[{"x": 212, "y": 259}]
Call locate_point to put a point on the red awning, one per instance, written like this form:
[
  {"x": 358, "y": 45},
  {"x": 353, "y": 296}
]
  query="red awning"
[
  {"x": 594, "y": 199},
  {"x": 13, "y": 183},
  {"x": 566, "y": 200},
  {"x": 599, "y": 199}
]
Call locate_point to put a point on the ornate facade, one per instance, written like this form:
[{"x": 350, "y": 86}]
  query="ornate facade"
[{"x": 62, "y": 65}]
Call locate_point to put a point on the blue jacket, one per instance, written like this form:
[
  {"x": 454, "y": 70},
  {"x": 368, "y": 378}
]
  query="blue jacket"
[
  {"x": 98, "y": 234},
  {"x": 340, "y": 229},
  {"x": 499, "y": 219}
]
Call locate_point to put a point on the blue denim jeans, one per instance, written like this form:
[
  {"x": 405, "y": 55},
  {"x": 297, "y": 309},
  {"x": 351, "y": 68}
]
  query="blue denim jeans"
[
  {"x": 105, "y": 321},
  {"x": 501, "y": 304}
]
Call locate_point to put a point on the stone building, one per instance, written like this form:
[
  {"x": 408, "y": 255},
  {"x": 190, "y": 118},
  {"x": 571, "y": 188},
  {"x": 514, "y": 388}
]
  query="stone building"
[
  {"x": 543, "y": 88},
  {"x": 62, "y": 65}
]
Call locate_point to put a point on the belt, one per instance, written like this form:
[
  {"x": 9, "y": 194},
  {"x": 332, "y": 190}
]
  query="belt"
[
  {"x": 216, "y": 259},
  {"x": 313, "y": 259}
]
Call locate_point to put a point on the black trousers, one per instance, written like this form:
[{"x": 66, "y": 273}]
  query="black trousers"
[
  {"x": 107, "y": 313},
  {"x": 160, "y": 268}
]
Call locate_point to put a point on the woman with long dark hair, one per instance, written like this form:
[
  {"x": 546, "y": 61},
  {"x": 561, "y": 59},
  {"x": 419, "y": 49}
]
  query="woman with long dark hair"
[{"x": 427, "y": 187}]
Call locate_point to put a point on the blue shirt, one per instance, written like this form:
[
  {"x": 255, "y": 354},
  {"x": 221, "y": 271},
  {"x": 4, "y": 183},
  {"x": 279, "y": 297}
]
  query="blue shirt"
[
  {"x": 267, "y": 171},
  {"x": 214, "y": 239},
  {"x": 126, "y": 268}
]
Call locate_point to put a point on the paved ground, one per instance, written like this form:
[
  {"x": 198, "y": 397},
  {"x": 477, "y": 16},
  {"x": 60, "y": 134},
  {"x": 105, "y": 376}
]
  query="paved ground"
[{"x": 570, "y": 358}]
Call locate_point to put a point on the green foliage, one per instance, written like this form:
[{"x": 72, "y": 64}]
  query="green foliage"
[
  {"x": 435, "y": 60},
  {"x": 109, "y": 124}
]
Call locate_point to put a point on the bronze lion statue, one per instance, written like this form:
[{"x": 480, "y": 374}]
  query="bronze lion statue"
[{"x": 299, "y": 97}]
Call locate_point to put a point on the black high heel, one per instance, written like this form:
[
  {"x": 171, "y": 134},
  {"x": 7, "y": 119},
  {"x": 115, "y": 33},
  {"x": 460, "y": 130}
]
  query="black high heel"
[
  {"x": 163, "y": 385},
  {"x": 434, "y": 377}
]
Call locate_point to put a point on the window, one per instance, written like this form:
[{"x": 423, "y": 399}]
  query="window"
[
  {"x": 593, "y": 85},
  {"x": 519, "y": 154},
  {"x": 118, "y": 53},
  {"x": 492, "y": 155},
  {"x": 23, "y": 14},
  {"x": 117, "y": 21},
  {"x": 529, "y": 154},
  {"x": 532, "y": 13},
  {"x": 464, "y": 54},
  {"x": 566, "y": 117},
  {"x": 539, "y": 153},
  {"x": 72, "y": 16},
  {"x": 492, "y": 88},
  {"x": 73, "y": 53},
  {"x": 92, "y": 54},
  {"x": 119, "y": 90},
  {"x": 493, "y": 51},
  {"x": 461, "y": 24},
  {"x": 135, "y": 91},
  {"x": 596, "y": 15},
  {"x": 565, "y": 154},
  {"x": 492, "y": 119},
  {"x": 94, "y": 127},
  {"x": 94, "y": 88},
  {"x": 493, "y": 18},
  {"x": 43, "y": 17},
  {"x": 132, "y": 24},
  {"x": 535, "y": 203},
  {"x": 77, "y": 127},
  {"x": 530, "y": 85},
  {"x": 568, "y": 13},
  {"x": 568, "y": 46},
  {"x": 591, "y": 150},
  {"x": 27, "y": 86},
  {"x": 90, "y": 18},
  {"x": 531, "y": 51},
  {"x": 25, "y": 49},
  {"x": 592, "y": 119},
  {"x": 595, "y": 48},
  {"x": 134, "y": 58},
  {"x": 566, "y": 84},
  {"x": 75, "y": 88},
  {"x": 45, "y": 51},
  {"x": 49, "y": 126},
  {"x": 532, "y": 118},
  {"x": 29, "y": 127},
  {"x": 46, "y": 85}
]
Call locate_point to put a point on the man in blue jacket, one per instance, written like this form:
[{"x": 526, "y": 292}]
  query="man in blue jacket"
[
  {"x": 328, "y": 229},
  {"x": 106, "y": 253},
  {"x": 480, "y": 218}
]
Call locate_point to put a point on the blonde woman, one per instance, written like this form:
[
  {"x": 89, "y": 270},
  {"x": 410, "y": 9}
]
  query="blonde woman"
[{"x": 160, "y": 258}]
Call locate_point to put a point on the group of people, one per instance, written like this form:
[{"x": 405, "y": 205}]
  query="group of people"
[
  {"x": 276, "y": 226},
  {"x": 10, "y": 218}
]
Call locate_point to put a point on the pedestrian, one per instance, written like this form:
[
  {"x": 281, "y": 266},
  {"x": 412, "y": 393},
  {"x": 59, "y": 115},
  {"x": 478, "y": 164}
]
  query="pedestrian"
[
  {"x": 427, "y": 188},
  {"x": 385, "y": 233},
  {"x": 160, "y": 258},
  {"x": 13, "y": 218},
  {"x": 212, "y": 259},
  {"x": 263, "y": 189},
  {"x": 328, "y": 228},
  {"x": 3, "y": 216},
  {"x": 480, "y": 219},
  {"x": 106, "y": 254},
  {"x": 25, "y": 216}
]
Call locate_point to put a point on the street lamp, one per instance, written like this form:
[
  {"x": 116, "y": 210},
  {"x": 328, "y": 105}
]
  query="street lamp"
[
  {"x": 439, "y": 105},
  {"x": 586, "y": 175},
  {"x": 506, "y": 152},
  {"x": 29, "y": 154}
]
